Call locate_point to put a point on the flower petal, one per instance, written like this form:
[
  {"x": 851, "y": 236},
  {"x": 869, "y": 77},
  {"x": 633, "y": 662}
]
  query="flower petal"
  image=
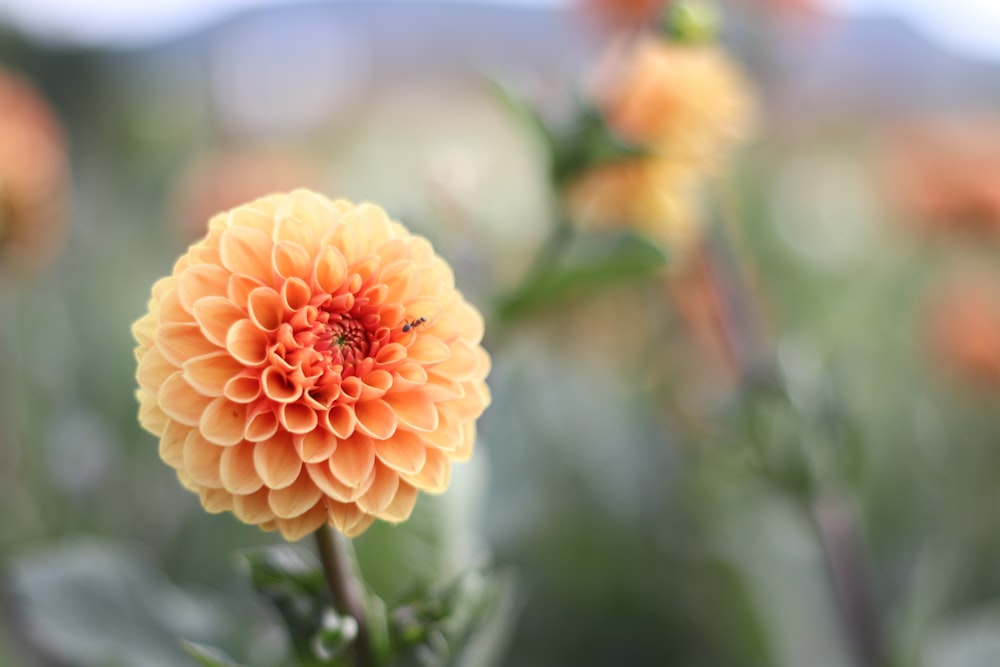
[
  {"x": 201, "y": 460},
  {"x": 180, "y": 401},
  {"x": 224, "y": 422},
  {"x": 413, "y": 409},
  {"x": 435, "y": 473},
  {"x": 302, "y": 525},
  {"x": 237, "y": 471},
  {"x": 375, "y": 418},
  {"x": 330, "y": 271},
  {"x": 153, "y": 370},
  {"x": 291, "y": 260},
  {"x": 247, "y": 251},
  {"x": 353, "y": 459},
  {"x": 172, "y": 444},
  {"x": 404, "y": 452},
  {"x": 199, "y": 281},
  {"x": 180, "y": 342},
  {"x": 247, "y": 343},
  {"x": 297, "y": 418},
  {"x": 296, "y": 499},
  {"x": 382, "y": 491},
  {"x": 210, "y": 373},
  {"x": 340, "y": 420},
  {"x": 402, "y": 504},
  {"x": 428, "y": 350},
  {"x": 276, "y": 461},
  {"x": 215, "y": 314},
  {"x": 253, "y": 508},
  {"x": 262, "y": 425},
  {"x": 315, "y": 446},
  {"x": 330, "y": 485},
  {"x": 265, "y": 308},
  {"x": 348, "y": 518}
]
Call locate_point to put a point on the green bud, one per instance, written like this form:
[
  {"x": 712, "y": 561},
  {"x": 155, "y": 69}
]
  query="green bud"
[{"x": 693, "y": 21}]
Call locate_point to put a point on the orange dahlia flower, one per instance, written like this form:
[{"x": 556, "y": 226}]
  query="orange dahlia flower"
[
  {"x": 689, "y": 106},
  {"x": 311, "y": 361},
  {"x": 32, "y": 176}
]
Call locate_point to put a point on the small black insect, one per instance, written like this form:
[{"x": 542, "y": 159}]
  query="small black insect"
[{"x": 413, "y": 324}]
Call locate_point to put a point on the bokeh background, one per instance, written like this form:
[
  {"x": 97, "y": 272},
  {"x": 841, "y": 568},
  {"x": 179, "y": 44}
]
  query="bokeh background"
[{"x": 618, "y": 475}]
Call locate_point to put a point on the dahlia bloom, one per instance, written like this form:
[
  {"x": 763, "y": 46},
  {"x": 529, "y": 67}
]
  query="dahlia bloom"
[
  {"x": 32, "y": 176},
  {"x": 962, "y": 329},
  {"x": 311, "y": 361},
  {"x": 686, "y": 104}
]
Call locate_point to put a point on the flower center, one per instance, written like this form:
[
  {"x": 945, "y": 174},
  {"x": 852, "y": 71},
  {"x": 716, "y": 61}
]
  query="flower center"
[{"x": 347, "y": 340}]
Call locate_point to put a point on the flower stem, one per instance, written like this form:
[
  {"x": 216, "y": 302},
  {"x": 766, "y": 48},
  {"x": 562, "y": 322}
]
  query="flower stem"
[{"x": 345, "y": 589}]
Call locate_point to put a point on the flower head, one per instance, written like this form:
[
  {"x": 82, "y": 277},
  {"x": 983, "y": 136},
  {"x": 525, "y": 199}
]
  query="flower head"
[
  {"x": 962, "y": 329},
  {"x": 32, "y": 176},
  {"x": 688, "y": 106},
  {"x": 311, "y": 361}
]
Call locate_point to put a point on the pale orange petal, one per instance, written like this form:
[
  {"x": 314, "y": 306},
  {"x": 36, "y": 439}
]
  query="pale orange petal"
[
  {"x": 201, "y": 460},
  {"x": 414, "y": 410},
  {"x": 266, "y": 308},
  {"x": 237, "y": 471},
  {"x": 261, "y": 426},
  {"x": 253, "y": 508},
  {"x": 247, "y": 343},
  {"x": 276, "y": 461},
  {"x": 180, "y": 342},
  {"x": 201, "y": 281},
  {"x": 435, "y": 473},
  {"x": 216, "y": 501},
  {"x": 375, "y": 418},
  {"x": 172, "y": 443},
  {"x": 353, "y": 460},
  {"x": 331, "y": 270},
  {"x": 323, "y": 478},
  {"x": 295, "y": 294},
  {"x": 402, "y": 504},
  {"x": 404, "y": 452},
  {"x": 428, "y": 350},
  {"x": 448, "y": 434},
  {"x": 291, "y": 260},
  {"x": 247, "y": 251},
  {"x": 297, "y": 418},
  {"x": 153, "y": 370},
  {"x": 215, "y": 314},
  {"x": 210, "y": 373},
  {"x": 382, "y": 491},
  {"x": 461, "y": 365},
  {"x": 340, "y": 420},
  {"x": 224, "y": 422},
  {"x": 180, "y": 401},
  {"x": 296, "y": 499},
  {"x": 244, "y": 388},
  {"x": 348, "y": 518},
  {"x": 316, "y": 445},
  {"x": 302, "y": 525}
]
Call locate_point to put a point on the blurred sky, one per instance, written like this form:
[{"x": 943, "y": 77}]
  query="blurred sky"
[{"x": 967, "y": 26}]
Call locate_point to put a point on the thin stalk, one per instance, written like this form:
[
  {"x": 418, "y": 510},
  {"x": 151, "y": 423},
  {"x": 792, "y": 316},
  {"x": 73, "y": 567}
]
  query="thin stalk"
[
  {"x": 837, "y": 529},
  {"x": 345, "y": 589}
]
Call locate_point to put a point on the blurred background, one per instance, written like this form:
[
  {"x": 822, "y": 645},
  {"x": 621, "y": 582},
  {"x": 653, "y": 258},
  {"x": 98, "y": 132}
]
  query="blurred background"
[{"x": 654, "y": 505}]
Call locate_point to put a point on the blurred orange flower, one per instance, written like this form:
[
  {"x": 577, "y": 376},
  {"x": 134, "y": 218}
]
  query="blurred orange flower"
[
  {"x": 614, "y": 15},
  {"x": 944, "y": 177},
  {"x": 689, "y": 105},
  {"x": 222, "y": 179},
  {"x": 32, "y": 177},
  {"x": 963, "y": 330},
  {"x": 311, "y": 361}
]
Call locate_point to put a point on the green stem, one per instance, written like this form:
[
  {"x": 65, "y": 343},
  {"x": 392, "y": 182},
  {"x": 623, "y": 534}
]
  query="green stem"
[{"x": 345, "y": 590}]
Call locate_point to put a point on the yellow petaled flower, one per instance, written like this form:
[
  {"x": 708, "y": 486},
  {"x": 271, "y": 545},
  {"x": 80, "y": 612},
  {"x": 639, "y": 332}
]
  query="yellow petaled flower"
[
  {"x": 311, "y": 361},
  {"x": 32, "y": 176},
  {"x": 688, "y": 106}
]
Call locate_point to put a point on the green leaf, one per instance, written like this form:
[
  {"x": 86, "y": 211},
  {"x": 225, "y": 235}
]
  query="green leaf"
[
  {"x": 605, "y": 261},
  {"x": 291, "y": 580},
  {"x": 208, "y": 656},
  {"x": 97, "y": 603}
]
